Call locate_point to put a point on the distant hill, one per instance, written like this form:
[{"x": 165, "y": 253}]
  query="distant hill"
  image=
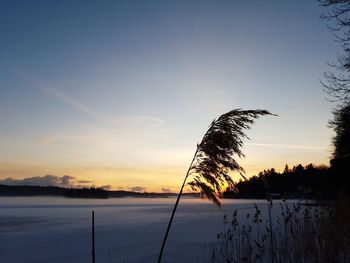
[{"x": 26, "y": 190}]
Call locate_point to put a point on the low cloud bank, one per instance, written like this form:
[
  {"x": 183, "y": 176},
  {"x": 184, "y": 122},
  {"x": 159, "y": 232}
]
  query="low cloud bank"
[
  {"x": 53, "y": 180},
  {"x": 47, "y": 180}
]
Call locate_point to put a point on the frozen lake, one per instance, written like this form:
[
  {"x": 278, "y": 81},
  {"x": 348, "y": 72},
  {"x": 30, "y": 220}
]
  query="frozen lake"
[{"x": 130, "y": 230}]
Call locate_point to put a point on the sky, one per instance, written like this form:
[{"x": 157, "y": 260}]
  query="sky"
[{"x": 118, "y": 93}]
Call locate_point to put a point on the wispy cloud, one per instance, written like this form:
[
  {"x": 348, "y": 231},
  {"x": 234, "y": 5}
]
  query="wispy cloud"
[
  {"x": 137, "y": 189},
  {"x": 153, "y": 121},
  {"x": 288, "y": 146},
  {"x": 53, "y": 139},
  {"x": 85, "y": 182},
  {"x": 99, "y": 137},
  {"x": 78, "y": 105},
  {"x": 72, "y": 102}
]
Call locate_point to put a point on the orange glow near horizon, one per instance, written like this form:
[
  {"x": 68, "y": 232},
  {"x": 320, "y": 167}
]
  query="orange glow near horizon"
[
  {"x": 148, "y": 179},
  {"x": 121, "y": 101}
]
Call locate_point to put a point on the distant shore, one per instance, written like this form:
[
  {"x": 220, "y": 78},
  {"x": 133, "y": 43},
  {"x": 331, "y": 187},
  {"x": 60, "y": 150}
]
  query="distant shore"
[
  {"x": 29, "y": 190},
  {"x": 99, "y": 193}
]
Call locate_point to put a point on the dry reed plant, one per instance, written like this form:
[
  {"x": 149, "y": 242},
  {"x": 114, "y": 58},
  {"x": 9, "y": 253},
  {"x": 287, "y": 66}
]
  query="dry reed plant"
[{"x": 300, "y": 233}]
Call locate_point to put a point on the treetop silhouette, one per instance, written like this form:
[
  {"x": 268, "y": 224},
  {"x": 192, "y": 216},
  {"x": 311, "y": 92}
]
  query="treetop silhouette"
[{"x": 337, "y": 82}]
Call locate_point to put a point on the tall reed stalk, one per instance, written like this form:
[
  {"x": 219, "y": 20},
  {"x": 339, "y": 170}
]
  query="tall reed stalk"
[{"x": 213, "y": 159}]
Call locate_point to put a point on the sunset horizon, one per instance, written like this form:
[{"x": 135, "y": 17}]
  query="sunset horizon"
[
  {"x": 104, "y": 94},
  {"x": 174, "y": 131}
]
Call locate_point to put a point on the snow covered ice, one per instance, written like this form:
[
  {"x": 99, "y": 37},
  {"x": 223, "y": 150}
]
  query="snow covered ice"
[{"x": 55, "y": 229}]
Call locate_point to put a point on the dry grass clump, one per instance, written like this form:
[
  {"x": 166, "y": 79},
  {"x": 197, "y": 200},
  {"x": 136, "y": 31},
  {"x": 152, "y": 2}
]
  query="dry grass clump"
[{"x": 301, "y": 233}]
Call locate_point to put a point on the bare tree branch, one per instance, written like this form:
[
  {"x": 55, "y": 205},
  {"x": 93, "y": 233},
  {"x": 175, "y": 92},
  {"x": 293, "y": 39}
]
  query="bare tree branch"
[{"x": 337, "y": 83}]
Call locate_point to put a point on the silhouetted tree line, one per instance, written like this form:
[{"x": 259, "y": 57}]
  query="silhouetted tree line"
[
  {"x": 23, "y": 190},
  {"x": 300, "y": 181},
  {"x": 29, "y": 190},
  {"x": 340, "y": 164},
  {"x": 337, "y": 84}
]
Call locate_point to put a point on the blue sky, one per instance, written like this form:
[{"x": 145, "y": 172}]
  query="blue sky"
[{"x": 120, "y": 92}]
